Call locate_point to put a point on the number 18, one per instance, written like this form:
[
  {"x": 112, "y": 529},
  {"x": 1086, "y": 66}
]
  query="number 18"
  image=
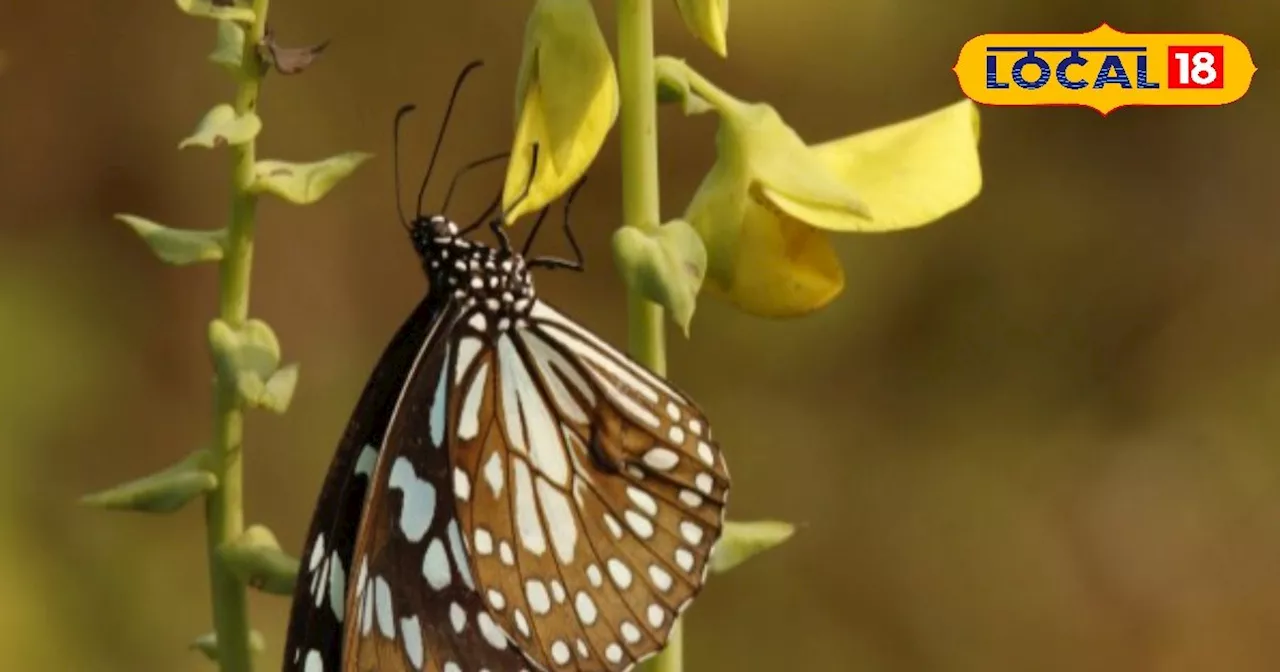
[{"x": 1195, "y": 67}]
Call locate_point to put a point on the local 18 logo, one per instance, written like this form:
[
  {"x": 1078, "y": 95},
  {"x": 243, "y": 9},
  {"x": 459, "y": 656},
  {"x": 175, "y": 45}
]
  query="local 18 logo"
[{"x": 1104, "y": 69}]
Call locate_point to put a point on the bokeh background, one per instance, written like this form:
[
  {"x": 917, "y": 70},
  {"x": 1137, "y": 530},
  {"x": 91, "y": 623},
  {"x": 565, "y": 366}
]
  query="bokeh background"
[{"x": 1038, "y": 435}]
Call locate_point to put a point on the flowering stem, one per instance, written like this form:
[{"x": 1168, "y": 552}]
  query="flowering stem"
[
  {"x": 224, "y": 507},
  {"x": 639, "y": 122},
  {"x": 640, "y": 203}
]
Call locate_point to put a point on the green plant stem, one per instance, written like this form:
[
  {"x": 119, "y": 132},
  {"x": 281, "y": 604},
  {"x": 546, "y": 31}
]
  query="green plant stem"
[
  {"x": 641, "y": 206},
  {"x": 224, "y": 507}
]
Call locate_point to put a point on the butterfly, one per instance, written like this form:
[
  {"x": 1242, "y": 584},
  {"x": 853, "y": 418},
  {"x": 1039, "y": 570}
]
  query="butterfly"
[{"x": 511, "y": 493}]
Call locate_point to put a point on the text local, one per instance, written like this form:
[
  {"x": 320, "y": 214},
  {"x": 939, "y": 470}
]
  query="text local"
[{"x": 1112, "y": 71}]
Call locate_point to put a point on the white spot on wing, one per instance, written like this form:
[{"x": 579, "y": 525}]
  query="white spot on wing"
[
  {"x": 418, "y": 506},
  {"x": 468, "y": 347},
  {"x": 435, "y": 565},
  {"x": 539, "y": 600},
  {"x": 491, "y": 632},
  {"x": 365, "y": 463},
  {"x": 460, "y": 554},
  {"x": 642, "y": 500},
  {"x": 560, "y": 519},
  {"x": 461, "y": 484},
  {"x": 560, "y": 652},
  {"x": 684, "y": 559},
  {"x": 661, "y": 579},
  {"x": 412, "y": 630},
  {"x": 382, "y": 607},
  {"x": 619, "y": 572},
  {"x": 337, "y": 587},
  {"x": 708, "y": 456},
  {"x": 546, "y": 452},
  {"x": 313, "y": 663},
  {"x": 494, "y": 473},
  {"x": 469, "y": 422},
  {"x": 439, "y": 403},
  {"x": 585, "y": 607},
  {"x": 317, "y": 552},
  {"x": 638, "y": 524},
  {"x": 691, "y": 531},
  {"x": 457, "y": 617},
  {"x": 527, "y": 510},
  {"x": 662, "y": 459}
]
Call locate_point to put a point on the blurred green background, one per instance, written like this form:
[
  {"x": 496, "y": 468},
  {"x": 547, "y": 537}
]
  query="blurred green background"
[{"x": 1038, "y": 435}]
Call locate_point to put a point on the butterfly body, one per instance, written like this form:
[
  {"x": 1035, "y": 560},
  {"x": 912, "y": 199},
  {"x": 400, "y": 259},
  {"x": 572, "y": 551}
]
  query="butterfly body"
[{"x": 496, "y": 281}]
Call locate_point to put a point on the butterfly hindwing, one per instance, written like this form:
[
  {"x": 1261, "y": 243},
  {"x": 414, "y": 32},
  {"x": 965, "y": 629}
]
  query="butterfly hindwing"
[
  {"x": 316, "y": 619},
  {"x": 414, "y": 604},
  {"x": 595, "y": 492}
]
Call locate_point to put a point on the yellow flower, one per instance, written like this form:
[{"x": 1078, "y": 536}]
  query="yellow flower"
[
  {"x": 766, "y": 206},
  {"x": 566, "y": 102},
  {"x": 708, "y": 20}
]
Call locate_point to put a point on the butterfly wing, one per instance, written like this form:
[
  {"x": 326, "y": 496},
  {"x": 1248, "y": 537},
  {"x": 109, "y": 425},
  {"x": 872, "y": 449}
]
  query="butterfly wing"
[
  {"x": 414, "y": 604},
  {"x": 594, "y": 492},
  {"x": 314, "y": 639}
]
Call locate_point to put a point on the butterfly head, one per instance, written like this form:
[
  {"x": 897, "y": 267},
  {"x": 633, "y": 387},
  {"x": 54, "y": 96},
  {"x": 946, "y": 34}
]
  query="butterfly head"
[{"x": 430, "y": 234}]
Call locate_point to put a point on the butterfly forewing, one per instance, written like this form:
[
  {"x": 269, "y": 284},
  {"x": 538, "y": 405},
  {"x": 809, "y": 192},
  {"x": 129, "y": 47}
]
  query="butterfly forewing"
[
  {"x": 595, "y": 492},
  {"x": 316, "y": 619},
  {"x": 413, "y": 601}
]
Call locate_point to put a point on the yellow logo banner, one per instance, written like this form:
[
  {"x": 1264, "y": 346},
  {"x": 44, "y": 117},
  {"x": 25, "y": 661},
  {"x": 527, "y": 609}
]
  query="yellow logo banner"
[{"x": 1104, "y": 69}]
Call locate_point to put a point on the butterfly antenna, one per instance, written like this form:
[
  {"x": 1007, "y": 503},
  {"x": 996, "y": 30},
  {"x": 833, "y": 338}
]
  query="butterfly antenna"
[
  {"x": 533, "y": 170},
  {"x": 395, "y": 157},
  {"x": 444, "y": 125},
  {"x": 466, "y": 169}
]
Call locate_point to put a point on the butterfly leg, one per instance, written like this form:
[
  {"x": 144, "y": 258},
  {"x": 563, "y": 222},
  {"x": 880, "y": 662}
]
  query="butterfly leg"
[
  {"x": 533, "y": 233},
  {"x": 496, "y": 226},
  {"x": 579, "y": 263}
]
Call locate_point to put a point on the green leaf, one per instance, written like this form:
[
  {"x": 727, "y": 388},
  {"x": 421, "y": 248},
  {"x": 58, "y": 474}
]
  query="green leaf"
[
  {"x": 741, "y": 541},
  {"x": 256, "y": 559},
  {"x": 163, "y": 492},
  {"x": 177, "y": 246},
  {"x": 210, "y": 9},
  {"x": 251, "y": 357},
  {"x": 222, "y": 126},
  {"x": 275, "y": 394},
  {"x": 305, "y": 183},
  {"x": 666, "y": 266},
  {"x": 208, "y": 644},
  {"x": 674, "y": 86},
  {"x": 229, "y": 49}
]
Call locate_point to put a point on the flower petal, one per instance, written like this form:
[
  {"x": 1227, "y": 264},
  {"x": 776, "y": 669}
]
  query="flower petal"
[
  {"x": 567, "y": 100},
  {"x": 910, "y": 173},
  {"x": 717, "y": 209},
  {"x": 786, "y": 167},
  {"x": 783, "y": 267},
  {"x": 708, "y": 20}
]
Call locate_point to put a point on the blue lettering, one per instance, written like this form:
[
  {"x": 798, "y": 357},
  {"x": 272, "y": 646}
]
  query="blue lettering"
[
  {"x": 1030, "y": 59},
  {"x": 1142, "y": 75},
  {"x": 1074, "y": 59},
  {"x": 993, "y": 81},
  {"x": 1112, "y": 73}
]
